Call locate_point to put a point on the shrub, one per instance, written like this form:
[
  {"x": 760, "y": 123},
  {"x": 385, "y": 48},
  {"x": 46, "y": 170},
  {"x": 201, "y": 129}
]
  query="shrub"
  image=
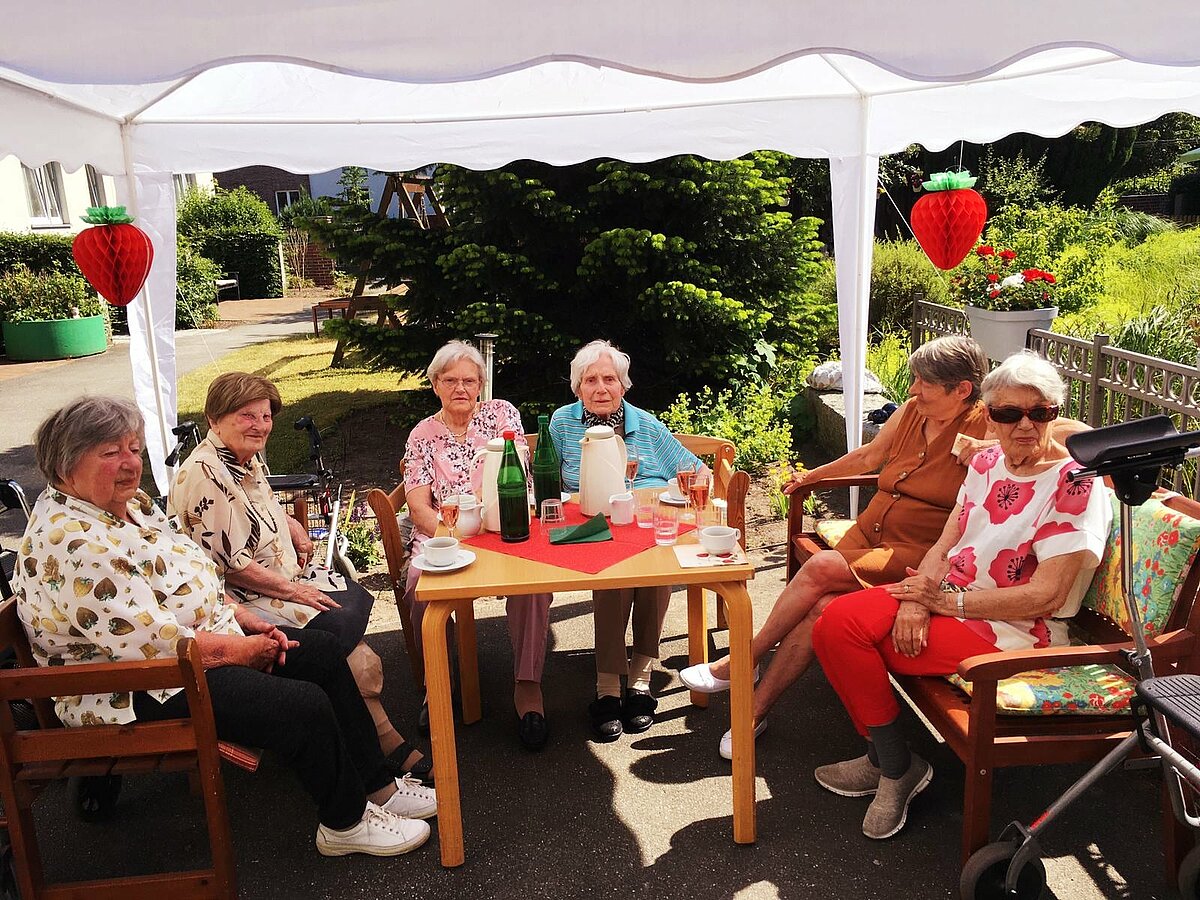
[
  {"x": 39, "y": 252},
  {"x": 195, "y": 294},
  {"x": 27, "y": 296},
  {"x": 887, "y": 357},
  {"x": 900, "y": 271},
  {"x": 754, "y": 420},
  {"x": 237, "y": 231},
  {"x": 254, "y": 256}
]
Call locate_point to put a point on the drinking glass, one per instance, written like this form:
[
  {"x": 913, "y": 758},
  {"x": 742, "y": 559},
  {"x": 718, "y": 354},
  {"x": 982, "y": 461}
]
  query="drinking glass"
[
  {"x": 647, "y": 501},
  {"x": 631, "y": 466},
  {"x": 684, "y": 475},
  {"x": 450, "y": 512},
  {"x": 698, "y": 493},
  {"x": 666, "y": 524},
  {"x": 552, "y": 512}
]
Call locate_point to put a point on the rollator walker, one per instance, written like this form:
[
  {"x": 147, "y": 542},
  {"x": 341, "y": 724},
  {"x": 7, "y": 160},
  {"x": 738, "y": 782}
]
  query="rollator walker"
[{"x": 1132, "y": 455}]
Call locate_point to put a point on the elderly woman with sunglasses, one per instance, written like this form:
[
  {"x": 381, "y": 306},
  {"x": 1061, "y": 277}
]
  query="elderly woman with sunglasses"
[
  {"x": 1011, "y": 566},
  {"x": 439, "y": 461}
]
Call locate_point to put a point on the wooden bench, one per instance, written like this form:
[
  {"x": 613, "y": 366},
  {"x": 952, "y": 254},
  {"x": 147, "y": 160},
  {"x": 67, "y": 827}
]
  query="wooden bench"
[
  {"x": 226, "y": 285},
  {"x": 985, "y": 738},
  {"x": 31, "y": 758}
]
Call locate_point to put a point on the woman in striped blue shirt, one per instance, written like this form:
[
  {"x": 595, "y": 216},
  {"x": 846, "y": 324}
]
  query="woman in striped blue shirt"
[{"x": 600, "y": 378}]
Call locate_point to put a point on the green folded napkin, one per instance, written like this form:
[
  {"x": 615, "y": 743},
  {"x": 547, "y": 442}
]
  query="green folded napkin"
[{"x": 592, "y": 531}]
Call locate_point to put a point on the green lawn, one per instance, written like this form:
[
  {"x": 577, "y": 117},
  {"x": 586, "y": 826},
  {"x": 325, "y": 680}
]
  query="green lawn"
[{"x": 299, "y": 367}]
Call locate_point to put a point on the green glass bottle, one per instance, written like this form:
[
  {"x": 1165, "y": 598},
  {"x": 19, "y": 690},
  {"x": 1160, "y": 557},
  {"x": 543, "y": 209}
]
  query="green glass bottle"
[
  {"x": 512, "y": 493},
  {"x": 547, "y": 470}
]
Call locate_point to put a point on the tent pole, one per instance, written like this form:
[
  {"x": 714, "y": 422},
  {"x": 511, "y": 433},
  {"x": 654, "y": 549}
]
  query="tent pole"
[{"x": 144, "y": 299}]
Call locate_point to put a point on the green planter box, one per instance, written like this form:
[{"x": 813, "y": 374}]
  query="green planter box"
[{"x": 54, "y": 338}]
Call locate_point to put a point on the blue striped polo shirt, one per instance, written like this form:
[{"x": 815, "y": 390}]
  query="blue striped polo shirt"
[{"x": 659, "y": 453}]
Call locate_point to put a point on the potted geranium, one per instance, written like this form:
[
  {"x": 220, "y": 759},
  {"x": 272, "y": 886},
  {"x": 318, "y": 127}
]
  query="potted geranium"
[
  {"x": 50, "y": 315},
  {"x": 1003, "y": 301}
]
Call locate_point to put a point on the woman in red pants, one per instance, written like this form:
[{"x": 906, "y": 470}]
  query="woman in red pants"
[{"x": 1010, "y": 567}]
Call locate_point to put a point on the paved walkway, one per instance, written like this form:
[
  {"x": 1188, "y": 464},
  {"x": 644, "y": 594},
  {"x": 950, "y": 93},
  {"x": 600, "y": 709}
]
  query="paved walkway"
[
  {"x": 645, "y": 817},
  {"x": 29, "y": 391}
]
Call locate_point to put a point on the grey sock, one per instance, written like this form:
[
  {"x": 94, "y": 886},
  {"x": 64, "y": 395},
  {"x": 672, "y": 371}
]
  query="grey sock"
[
  {"x": 872, "y": 755},
  {"x": 891, "y": 748}
]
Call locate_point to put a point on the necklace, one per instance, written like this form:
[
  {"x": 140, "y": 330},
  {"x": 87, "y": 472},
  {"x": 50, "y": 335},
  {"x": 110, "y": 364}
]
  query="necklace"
[{"x": 459, "y": 436}]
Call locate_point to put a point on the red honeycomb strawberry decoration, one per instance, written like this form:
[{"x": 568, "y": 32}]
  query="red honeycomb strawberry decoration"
[
  {"x": 113, "y": 255},
  {"x": 949, "y": 219}
]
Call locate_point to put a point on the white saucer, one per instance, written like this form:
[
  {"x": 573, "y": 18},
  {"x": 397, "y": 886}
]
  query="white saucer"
[
  {"x": 666, "y": 498},
  {"x": 464, "y": 559}
]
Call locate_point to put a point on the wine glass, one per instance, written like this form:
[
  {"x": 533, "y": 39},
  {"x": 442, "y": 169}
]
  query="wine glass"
[
  {"x": 449, "y": 506},
  {"x": 698, "y": 493},
  {"x": 684, "y": 474},
  {"x": 631, "y": 466}
]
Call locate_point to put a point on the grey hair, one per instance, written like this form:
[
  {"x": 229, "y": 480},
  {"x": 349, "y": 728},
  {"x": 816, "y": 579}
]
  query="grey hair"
[
  {"x": 949, "y": 361},
  {"x": 1026, "y": 370},
  {"x": 590, "y": 354},
  {"x": 70, "y": 432},
  {"x": 455, "y": 352}
]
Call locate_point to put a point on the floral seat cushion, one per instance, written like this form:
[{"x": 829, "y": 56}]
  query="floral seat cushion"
[
  {"x": 831, "y": 531},
  {"x": 1166, "y": 544},
  {"x": 1096, "y": 690}
]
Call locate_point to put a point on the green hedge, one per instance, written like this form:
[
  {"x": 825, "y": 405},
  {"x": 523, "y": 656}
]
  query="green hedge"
[
  {"x": 39, "y": 252},
  {"x": 27, "y": 296},
  {"x": 254, "y": 256}
]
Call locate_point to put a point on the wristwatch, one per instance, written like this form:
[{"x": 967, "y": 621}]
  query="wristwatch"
[{"x": 958, "y": 601}]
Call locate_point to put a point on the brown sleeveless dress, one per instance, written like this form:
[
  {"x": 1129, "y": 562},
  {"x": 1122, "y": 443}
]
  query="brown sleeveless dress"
[{"x": 918, "y": 487}]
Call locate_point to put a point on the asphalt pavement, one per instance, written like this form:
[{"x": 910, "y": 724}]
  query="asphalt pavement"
[{"x": 647, "y": 816}]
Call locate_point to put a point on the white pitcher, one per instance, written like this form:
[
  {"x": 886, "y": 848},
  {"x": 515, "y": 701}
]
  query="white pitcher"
[
  {"x": 483, "y": 480},
  {"x": 601, "y": 469}
]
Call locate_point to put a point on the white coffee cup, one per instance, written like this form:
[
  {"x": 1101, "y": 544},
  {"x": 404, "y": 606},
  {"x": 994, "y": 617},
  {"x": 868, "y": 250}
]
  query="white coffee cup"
[
  {"x": 674, "y": 491},
  {"x": 719, "y": 539},
  {"x": 440, "y": 551}
]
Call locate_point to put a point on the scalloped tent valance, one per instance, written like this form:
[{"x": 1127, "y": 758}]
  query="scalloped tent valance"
[{"x": 308, "y": 86}]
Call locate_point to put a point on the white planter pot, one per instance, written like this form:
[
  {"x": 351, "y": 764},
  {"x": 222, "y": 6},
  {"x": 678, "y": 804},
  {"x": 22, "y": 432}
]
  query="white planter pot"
[{"x": 1003, "y": 333}]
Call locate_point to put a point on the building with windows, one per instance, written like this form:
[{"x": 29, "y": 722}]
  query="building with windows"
[{"x": 47, "y": 198}]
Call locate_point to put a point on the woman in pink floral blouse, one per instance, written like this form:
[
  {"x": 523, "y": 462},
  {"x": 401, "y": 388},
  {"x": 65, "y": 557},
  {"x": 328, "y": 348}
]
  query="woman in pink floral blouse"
[
  {"x": 1010, "y": 568},
  {"x": 439, "y": 461}
]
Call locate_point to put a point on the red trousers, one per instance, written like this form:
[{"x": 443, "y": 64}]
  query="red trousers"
[{"x": 853, "y": 640}]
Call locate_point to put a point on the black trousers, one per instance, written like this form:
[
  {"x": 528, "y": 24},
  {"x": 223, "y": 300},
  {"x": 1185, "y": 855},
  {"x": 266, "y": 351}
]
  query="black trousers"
[
  {"x": 309, "y": 711},
  {"x": 349, "y": 623}
]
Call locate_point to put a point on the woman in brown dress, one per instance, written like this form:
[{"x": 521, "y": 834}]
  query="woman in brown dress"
[{"x": 918, "y": 485}]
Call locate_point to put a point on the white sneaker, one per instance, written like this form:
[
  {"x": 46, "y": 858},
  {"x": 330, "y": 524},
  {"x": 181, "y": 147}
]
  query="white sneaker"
[
  {"x": 379, "y": 833},
  {"x": 412, "y": 799},
  {"x": 699, "y": 678},
  {"x": 726, "y": 748}
]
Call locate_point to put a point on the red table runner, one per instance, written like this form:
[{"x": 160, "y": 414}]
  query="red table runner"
[{"x": 628, "y": 540}]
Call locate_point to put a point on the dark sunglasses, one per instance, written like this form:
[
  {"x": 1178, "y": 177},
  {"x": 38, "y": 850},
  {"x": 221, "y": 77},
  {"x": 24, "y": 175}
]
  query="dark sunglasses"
[{"x": 1011, "y": 415}]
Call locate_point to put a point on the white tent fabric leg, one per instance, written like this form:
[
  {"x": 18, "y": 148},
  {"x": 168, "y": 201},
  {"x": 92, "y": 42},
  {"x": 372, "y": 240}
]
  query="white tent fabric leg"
[
  {"x": 152, "y": 316},
  {"x": 853, "y": 181}
]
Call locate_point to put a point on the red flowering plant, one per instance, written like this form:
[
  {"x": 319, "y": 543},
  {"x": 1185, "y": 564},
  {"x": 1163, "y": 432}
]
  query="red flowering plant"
[{"x": 995, "y": 280}]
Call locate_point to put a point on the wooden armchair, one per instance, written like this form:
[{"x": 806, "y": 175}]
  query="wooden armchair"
[
  {"x": 986, "y": 738},
  {"x": 31, "y": 758},
  {"x": 386, "y": 507}
]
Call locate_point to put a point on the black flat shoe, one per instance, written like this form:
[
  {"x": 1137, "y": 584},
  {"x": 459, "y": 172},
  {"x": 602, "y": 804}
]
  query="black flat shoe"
[
  {"x": 533, "y": 731},
  {"x": 422, "y": 771},
  {"x": 605, "y": 713},
  {"x": 637, "y": 712}
]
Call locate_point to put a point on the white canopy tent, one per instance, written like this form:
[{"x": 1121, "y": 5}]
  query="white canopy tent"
[{"x": 150, "y": 87}]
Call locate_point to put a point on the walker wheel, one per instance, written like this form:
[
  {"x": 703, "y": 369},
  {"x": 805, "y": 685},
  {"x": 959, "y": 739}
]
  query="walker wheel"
[
  {"x": 984, "y": 874},
  {"x": 1189, "y": 875}
]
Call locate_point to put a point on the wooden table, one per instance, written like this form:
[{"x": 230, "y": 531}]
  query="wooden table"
[{"x": 496, "y": 573}]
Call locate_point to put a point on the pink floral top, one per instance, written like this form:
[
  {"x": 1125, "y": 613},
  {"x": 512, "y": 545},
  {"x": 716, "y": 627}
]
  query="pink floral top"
[
  {"x": 433, "y": 456},
  {"x": 1008, "y": 523}
]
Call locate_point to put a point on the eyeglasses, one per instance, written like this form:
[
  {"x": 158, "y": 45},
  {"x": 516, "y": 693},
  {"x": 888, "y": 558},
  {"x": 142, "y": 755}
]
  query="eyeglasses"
[
  {"x": 1011, "y": 415},
  {"x": 469, "y": 383}
]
